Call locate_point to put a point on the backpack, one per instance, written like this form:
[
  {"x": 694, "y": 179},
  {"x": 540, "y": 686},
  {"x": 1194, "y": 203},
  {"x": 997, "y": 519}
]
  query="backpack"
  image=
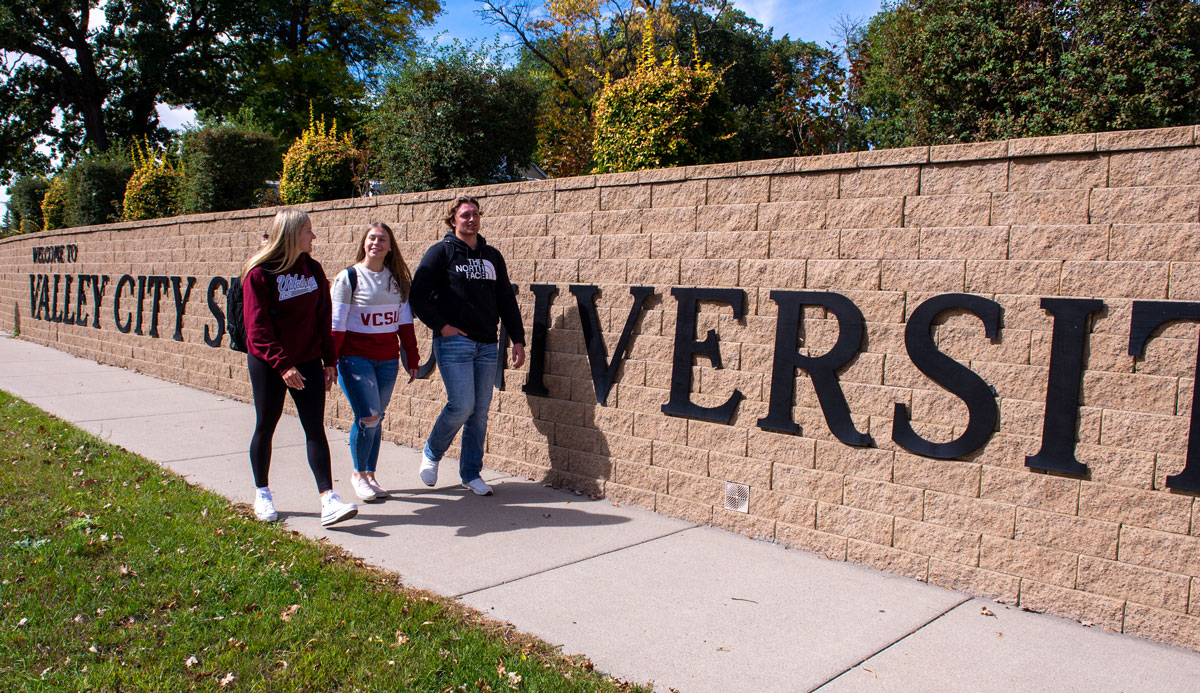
[{"x": 235, "y": 317}]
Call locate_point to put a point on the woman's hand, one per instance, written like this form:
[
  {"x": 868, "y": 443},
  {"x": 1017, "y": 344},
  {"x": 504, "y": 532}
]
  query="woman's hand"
[
  {"x": 293, "y": 379},
  {"x": 451, "y": 330},
  {"x": 330, "y": 376},
  {"x": 412, "y": 374}
]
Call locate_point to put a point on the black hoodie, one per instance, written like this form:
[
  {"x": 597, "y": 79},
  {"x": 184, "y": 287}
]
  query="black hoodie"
[{"x": 467, "y": 288}]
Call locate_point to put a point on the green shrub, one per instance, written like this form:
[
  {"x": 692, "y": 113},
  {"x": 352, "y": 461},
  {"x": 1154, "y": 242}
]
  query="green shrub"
[
  {"x": 54, "y": 204},
  {"x": 96, "y": 188},
  {"x": 226, "y": 167},
  {"x": 25, "y": 203},
  {"x": 319, "y": 166}
]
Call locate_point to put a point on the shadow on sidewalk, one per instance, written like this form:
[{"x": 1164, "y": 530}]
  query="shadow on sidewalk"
[{"x": 517, "y": 505}]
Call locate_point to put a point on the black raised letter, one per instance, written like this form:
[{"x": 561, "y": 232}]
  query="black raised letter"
[
  {"x": 535, "y": 381},
  {"x": 67, "y": 318},
  {"x": 950, "y": 374},
  {"x": 157, "y": 285},
  {"x": 1147, "y": 317},
  {"x": 686, "y": 347},
  {"x": 81, "y": 299},
  {"x": 603, "y": 372},
  {"x": 1062, "y": 387},
  {"x": 181, "y": 300},
  {"x": 125, "y": 279},
  {"x": 99, "y": 284},
  {"x": 55, "y": 316},
  {"x": 822, "y": 369},
  {"x": 215, "y": 308}
]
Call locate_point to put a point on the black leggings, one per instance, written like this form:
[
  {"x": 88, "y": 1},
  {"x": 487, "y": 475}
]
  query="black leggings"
[{"x": 268, "y": 389}]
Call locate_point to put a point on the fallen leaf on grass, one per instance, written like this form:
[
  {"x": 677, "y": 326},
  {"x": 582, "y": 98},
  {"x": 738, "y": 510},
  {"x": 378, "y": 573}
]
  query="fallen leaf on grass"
[
  {"x": 22, "y": 622},
  {"x": 401, "y": 638},
  {"x": 190, "y": 662},
  {"x": 226, "y": 680},
  {"x": 282, "y": 664},
  {"x": 286, "y": 614}
]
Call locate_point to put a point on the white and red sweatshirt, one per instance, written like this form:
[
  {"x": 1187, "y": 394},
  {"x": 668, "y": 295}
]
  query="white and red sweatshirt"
[{"x": 368, "y": 323}]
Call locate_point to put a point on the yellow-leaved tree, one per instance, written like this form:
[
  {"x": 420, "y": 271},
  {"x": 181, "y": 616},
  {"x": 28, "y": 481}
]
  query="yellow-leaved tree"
[
  {"x": 664, "y": 114},
  {"x": 319, "y": 166}
]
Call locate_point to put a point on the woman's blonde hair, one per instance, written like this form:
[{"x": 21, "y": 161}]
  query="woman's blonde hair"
[
  {"x": 459, "y": 203},
  {"x": 282, "y": 248},
  {"x": 394, "y": 261}
]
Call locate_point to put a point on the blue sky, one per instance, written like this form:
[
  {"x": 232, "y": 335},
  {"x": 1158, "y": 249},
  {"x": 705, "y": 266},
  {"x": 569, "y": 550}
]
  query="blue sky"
[{"x": 806, "y": 20}]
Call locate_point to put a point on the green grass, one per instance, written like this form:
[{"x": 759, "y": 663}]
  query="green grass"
[{"x": 118, "y": 575}]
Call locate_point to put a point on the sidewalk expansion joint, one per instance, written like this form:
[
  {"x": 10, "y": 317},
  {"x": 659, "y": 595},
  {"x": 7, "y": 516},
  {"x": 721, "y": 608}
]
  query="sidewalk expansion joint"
[
  {"x": 571, "y": 563},
  {"x": 150, "y": 416},
  {"x": 891, "y": 644}
]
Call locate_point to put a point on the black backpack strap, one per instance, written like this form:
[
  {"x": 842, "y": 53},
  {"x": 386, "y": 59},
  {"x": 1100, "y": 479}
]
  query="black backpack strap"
[{"x": 352, "y": 275}]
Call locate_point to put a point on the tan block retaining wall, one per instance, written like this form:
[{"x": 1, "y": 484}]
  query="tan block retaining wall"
[{"x": 1109, "y": 216}]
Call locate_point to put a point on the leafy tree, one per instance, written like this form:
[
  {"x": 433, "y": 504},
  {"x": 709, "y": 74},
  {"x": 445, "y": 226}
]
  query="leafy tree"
[
  {"x": 573, "y": 46},
  {"x": 106, "y": 79},
  {"x": 103, "y": 79},
  {"x": 452, "y": 118},
  {"x": 935, "y": 71},
  {"x": 317, "y": 53},
  {"x": 786, "y": 94},
  {"x": 664, "y": 114},
  {"x": 25, "y": 203}
]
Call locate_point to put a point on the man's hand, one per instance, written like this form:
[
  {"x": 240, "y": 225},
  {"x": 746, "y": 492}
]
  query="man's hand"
[
  {"x": 518, "y": 352},
  {"x": 450, "y": 330}
]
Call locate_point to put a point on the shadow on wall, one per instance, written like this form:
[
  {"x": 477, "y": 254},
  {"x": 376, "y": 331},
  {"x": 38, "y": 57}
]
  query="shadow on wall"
[
  {"x": 576, "y": 449},
  {"x": 574, "y": 426}
]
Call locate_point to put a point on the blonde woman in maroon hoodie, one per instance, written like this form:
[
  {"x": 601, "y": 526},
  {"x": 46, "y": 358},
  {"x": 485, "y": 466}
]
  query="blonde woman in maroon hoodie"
[{"x": 285, "y": 298}]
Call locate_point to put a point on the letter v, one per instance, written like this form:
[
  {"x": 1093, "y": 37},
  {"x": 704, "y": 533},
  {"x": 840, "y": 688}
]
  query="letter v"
[{"x": 604, "y": 372}]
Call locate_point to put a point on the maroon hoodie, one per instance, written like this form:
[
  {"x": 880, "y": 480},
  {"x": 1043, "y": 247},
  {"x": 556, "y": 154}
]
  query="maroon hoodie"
[{"x": 288, "y": 315}]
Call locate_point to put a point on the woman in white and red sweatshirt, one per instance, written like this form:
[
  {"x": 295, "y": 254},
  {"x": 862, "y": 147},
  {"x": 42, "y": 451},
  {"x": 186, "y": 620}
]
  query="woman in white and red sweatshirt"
[
  {"x": 289, "y": 350},
  {"x": 371, "y": 320}
]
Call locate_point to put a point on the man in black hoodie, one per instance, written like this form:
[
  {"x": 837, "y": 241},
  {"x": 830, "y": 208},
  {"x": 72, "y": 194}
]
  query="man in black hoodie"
[{"x": 461, "y": 290}]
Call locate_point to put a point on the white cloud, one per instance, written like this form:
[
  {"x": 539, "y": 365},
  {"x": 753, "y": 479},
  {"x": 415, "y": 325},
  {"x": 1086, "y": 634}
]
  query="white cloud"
[{"x": 175, "y": 118}]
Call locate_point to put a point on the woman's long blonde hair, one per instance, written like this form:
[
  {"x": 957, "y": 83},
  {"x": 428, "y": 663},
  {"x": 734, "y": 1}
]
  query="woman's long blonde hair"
[
  {"x": 282, "y": 248},
  {"x": 394, "y": 261}
]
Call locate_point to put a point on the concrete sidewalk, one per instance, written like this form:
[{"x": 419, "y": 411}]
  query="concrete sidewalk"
[{"x": 648, "y": 598}]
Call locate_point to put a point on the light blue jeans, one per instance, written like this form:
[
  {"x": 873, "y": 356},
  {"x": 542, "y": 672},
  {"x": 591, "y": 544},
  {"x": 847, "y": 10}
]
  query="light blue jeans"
[
  {"x": 368, "y": 385},
  {"x": 468, "y": 370}
]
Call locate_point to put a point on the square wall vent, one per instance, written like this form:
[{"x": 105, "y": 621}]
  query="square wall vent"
[{"x": 737, "y": 497}]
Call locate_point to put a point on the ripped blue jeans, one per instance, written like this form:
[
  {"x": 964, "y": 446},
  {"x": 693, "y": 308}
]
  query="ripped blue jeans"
[{"x": 368, "y": 385}]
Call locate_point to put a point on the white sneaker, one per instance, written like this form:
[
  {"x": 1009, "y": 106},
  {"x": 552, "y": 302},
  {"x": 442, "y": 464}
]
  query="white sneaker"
[
  {"x": 429, "y": 470},
  {"x": 478, "y": 486},
  {"x": 380, "y": 492},
  {"x": 362, "y": 488},
  {"x": 334, "y": 509},
  {"x": 264, "y": 506}
]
